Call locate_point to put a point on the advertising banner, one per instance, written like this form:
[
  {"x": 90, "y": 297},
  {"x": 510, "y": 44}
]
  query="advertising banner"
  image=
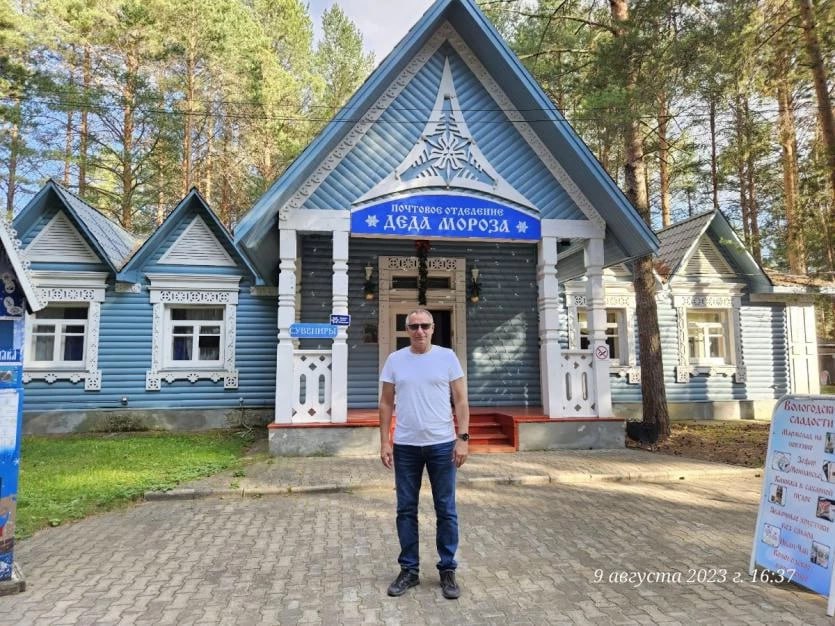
[{"x": 795, "y": 532}]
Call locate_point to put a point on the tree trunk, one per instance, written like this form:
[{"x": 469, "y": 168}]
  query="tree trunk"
[
  {"x": 656, "y": 419},
  {"x": 83, "y": 129},
  {"x": 664, "y": 160},
  {"x": 189, "y": 122},
  {"x": 741, "y": 160},
  {"x": 129, "y": 99},
  {"x": 827, "y": 121},
  {"x": 14, "y": 154},
  {"x": 795, "y": 242},
  {"x": 714, "y": 168},
  {"x": 750, "y": 182},
  {"x": 207, "y": 170},
  {"x": 65, "y": 179}
]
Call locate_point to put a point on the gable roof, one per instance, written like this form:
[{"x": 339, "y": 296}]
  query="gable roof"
[
  {"x": 680, "y": 243},
  {"x": 112, "y": 243},
  {"x": 193, "y": 202},
  {"x": 258, "y": 235}
]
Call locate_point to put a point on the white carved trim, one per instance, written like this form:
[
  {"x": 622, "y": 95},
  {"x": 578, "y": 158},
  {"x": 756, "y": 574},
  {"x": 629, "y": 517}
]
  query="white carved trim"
[
  {"x": 20, "y": 264},
  {"x": 444, "y": 33},
  {"x": 359, "y": 129},
  {"x": 525, "y": 130},
  {"x": 683, "y": 370},
  {"x": 446, "y": 155},
  {"x": 619, "y": 294},
  {"x": 59, "y": 287},
  {"x": 167, "y": 289},
  {"x": 732, "y": 304},
  {"x": 197, "y": 245},
  {"x": 309, "y": 366}
]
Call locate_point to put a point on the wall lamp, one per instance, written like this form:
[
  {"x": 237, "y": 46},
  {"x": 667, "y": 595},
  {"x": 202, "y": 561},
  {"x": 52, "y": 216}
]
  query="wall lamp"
[
  {"x": 369, "y": 288},
  {"x": 475, "y": 285}
]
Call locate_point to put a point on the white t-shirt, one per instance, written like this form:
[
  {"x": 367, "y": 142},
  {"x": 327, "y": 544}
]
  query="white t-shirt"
[{"x": 422, "y": 392}]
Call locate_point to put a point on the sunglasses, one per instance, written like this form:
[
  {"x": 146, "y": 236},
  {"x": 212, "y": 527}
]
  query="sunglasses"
[{"x": 423, "y": 326}]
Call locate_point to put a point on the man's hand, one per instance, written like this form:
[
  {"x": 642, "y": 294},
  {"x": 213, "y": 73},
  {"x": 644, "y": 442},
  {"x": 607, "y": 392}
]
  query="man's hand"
[
  {"x": 462, "y": 450},
  {"x": 386, "y": 455}
]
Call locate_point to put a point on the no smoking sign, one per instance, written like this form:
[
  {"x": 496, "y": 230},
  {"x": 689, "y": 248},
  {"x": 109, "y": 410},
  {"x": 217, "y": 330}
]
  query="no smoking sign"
[{"x": 601, "y": 352}]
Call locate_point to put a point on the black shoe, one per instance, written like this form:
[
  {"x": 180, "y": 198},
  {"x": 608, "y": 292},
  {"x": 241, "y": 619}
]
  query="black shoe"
[
  {"x": 448, "y": 585},
  {"x": 405, "y": 580}
]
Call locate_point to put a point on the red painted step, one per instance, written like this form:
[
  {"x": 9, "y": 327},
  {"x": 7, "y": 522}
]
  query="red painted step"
[{"x": 489, "y": 433}]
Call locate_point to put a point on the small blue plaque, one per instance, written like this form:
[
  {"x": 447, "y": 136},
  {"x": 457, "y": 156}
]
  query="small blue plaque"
[
  {"x": 341, "y": 320},
  {"x": 313, "y": 331}
]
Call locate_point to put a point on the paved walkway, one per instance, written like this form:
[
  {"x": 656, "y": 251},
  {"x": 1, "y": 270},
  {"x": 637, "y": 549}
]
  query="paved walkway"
[
  {"x": 330, "y": 474},
  {"x": 670, "y": 546}
]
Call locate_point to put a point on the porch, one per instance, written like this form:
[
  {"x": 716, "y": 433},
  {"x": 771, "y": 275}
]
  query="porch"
[{"x": 492, "y": 430}]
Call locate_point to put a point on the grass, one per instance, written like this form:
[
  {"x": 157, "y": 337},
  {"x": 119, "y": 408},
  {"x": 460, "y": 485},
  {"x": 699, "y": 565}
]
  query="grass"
[{"x": 67, "y": 478}]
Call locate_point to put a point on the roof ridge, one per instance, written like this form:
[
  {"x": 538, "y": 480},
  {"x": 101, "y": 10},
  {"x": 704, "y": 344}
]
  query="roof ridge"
[{"x": 685, "y": 221}]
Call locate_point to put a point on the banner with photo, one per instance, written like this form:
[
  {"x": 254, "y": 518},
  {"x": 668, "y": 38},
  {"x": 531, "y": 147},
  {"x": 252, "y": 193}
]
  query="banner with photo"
[{"x": 796, "y": 518}]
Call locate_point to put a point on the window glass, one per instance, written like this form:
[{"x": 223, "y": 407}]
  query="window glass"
[
  {"x": 707, "y": 336},
  {"x": 58, "y": 335},
  {"x": 196, "y": 336},
  {"x": 614, "y": 320}
]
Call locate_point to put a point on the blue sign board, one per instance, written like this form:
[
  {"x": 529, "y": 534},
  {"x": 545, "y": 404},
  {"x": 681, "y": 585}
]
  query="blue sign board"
[
  {"x": 439, "y": 215},
  {"x": 313, "y": 331},
  {"x": 12, "y": 307},
  {"x": 341, "y": 320}
]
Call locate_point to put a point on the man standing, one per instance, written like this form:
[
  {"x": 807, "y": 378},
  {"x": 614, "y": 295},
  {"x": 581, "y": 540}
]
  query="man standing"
[{"x": 422, "y": 377}]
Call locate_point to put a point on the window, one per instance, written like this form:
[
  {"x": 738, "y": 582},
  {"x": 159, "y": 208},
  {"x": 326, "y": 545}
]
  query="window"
[
  {"x": 619, "y": 325},
  {"x": 62, "y": 340},
  {"x": 615, "y": 326},
  {"x": 707, "y": 337},
  {"x": 194, "y": 329},
  {"x": 58, "y": 336},
  {"x": 708, "y": 324},
  {"x": 196, "y": 336}
]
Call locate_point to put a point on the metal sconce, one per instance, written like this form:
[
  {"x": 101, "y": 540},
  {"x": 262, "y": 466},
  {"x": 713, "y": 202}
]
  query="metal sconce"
[
  {"x": 475, "y": 285},
  {"x": 368, "y": 287}
]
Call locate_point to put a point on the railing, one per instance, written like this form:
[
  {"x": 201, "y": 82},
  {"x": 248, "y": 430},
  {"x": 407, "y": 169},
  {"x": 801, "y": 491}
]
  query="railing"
[
  {"x": 577, "y": 380},
  {"x": 311, "y": 386}
]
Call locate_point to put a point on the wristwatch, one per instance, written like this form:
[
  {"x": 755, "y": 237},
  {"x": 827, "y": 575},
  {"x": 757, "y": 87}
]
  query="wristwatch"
[{"x": 464, "y": 436}]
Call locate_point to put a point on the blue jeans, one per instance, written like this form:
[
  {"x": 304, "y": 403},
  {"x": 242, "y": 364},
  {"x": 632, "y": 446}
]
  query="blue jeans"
[{"x": 409, "y": 462}]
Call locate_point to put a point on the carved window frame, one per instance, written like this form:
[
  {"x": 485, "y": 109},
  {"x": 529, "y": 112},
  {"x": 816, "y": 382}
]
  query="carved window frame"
[
  {"x": 623, "y": 302},
  {"x": 730, "y": 302},
  {"x": 170, "y": 290},
  {"x": 69, "y": 288}
]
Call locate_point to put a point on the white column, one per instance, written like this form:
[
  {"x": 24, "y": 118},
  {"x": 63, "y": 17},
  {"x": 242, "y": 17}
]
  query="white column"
[
  {"x": 339, "y": 352},
  {"x": 551, "y": 380},
  {"x": 596, "y": 316},
  {"x": 284, "y": 370}
]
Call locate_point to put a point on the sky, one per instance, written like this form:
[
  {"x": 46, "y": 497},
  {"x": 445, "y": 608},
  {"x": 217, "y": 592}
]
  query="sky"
[{"x": 382, "y": 23}]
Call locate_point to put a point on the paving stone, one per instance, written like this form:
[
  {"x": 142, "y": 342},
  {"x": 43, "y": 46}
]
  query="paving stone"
[{"x": 532, "y": 552}]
